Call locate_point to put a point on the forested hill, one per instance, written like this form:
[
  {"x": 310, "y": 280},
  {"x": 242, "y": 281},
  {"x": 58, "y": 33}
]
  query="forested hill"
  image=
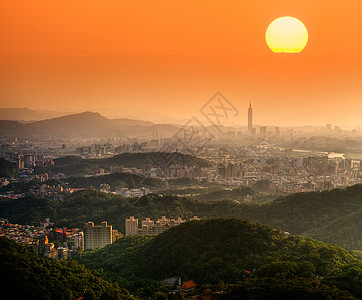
[
  {"x": 230, "y": 250},
  {"x": 7, "y": 168},
  {"x": 332, "y": 216},
  {"x": 77, "y": 166},
  {"x": 24, "y": 275}
]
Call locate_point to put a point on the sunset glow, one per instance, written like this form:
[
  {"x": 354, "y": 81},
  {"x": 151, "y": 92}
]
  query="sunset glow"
[{"x": 164, "y": 60}]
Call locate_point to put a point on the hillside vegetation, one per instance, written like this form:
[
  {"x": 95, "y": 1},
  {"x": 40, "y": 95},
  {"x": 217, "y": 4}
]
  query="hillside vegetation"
[
  {"x": 231, "y": 251},
  {"x": 114, "y": 180},
  {"x": 24, "y": 275},
  {"x": 77, "y": 166},
  {"x": 7, "y": 168},
  {"x": 331, "y": 216}
]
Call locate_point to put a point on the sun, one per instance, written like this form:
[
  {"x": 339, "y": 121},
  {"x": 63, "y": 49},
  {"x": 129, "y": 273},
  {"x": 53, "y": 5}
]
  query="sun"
[{"x": 286, "y": 35}]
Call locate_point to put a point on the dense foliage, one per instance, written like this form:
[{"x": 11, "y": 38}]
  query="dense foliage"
[
  {"x": 114, "y": 180},
  {"x": 26, "y": 276},
  {"x": 7, "y": 168},
  {"x": 276, "y": 288},
  {"x": 230, "y": 250},
  {"x": 232, "y": 194},
  {"x": 332, "y": 216}
]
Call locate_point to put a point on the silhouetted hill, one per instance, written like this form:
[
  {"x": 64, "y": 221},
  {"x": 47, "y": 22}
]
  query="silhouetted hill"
[
  {"x": 26, "y": 114},
  {"x": 18, "y": 114},
  {"x": 230, "y": 250},
  {"x": 83, "y": 125},
  {"x": 77, "y": 125},
  {"x": 131, "y": 122},
  {"x": 10, "y": 129},
  {"x": 87, "y": 124}
]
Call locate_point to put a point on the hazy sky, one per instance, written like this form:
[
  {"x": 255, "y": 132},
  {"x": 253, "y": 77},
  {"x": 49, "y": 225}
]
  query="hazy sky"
[{"x": 166, "y": 59}]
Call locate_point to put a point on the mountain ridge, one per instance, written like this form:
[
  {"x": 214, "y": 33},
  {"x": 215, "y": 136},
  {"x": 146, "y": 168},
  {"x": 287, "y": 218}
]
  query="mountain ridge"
[{"x": 84, "y": 125}]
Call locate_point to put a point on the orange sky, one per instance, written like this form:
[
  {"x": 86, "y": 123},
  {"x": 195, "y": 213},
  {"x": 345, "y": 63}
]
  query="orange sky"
[{"x": 165, "y": 59}]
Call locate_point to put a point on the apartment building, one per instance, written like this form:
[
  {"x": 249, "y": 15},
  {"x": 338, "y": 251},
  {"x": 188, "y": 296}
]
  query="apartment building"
[{"x": 96, "y": 236}]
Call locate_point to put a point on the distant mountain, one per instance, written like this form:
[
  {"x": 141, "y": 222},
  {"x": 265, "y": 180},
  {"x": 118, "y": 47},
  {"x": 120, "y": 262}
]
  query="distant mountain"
[
  {"x": 11, "y": 129},
  {"x": 27, "y": 114},
  {"x": 86, "y": 124},
  {"x": 131, "y": 122},
  {"x": 147, "y": 129},
  {"x": 83, "y": 125}
]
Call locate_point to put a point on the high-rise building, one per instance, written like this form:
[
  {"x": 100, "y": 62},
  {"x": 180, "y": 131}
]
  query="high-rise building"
[
  {"x": 20, "y": 162},
  {"x": 131, "y": 226},
  {"x": 250, "y": 119},
  {"x": 263, "y": 131},
  {"x": 221, "y": 170},
  {"x": 97, "y": 236},
  {"x": 78, "y": 239},
  {"x": 230, "y": 169},
  {"x": 253, "y": 132},
  {"x": 277, "y": 131}
]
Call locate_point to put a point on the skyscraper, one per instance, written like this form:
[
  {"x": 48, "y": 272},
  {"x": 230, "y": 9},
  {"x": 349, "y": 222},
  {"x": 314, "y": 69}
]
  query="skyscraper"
[{"x": 250, "y": 119}]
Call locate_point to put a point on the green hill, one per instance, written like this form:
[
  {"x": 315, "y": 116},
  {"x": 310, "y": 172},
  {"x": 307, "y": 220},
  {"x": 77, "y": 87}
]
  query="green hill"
[
  {"x": 230, "y": 251},
  {"x": 7, "y": 168},
  {"x": 331, "y": 216},
  {"x": 24, "y": 275},
  {"x": 114, "y": 180},
  {"x": 77, "y": 166},
  {"x": 156, "y": 159}
]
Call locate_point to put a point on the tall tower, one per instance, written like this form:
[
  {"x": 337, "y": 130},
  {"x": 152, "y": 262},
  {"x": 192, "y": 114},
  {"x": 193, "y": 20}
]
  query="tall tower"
[{"x": 250, "y": 119}]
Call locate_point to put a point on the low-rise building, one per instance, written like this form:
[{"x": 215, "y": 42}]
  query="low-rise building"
[{"x": 150, "y": 227}]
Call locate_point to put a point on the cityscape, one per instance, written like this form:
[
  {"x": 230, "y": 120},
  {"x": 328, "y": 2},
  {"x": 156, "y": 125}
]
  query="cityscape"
[
  {"x": 180, "y": 150},
  {"x": 267, "y": 161},
  {"x": 250, "y": 165}
]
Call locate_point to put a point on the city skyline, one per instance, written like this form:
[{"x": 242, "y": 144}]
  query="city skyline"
[
  {"x": 244, "y": 120},
  {"x": 166, "y": 66}
]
